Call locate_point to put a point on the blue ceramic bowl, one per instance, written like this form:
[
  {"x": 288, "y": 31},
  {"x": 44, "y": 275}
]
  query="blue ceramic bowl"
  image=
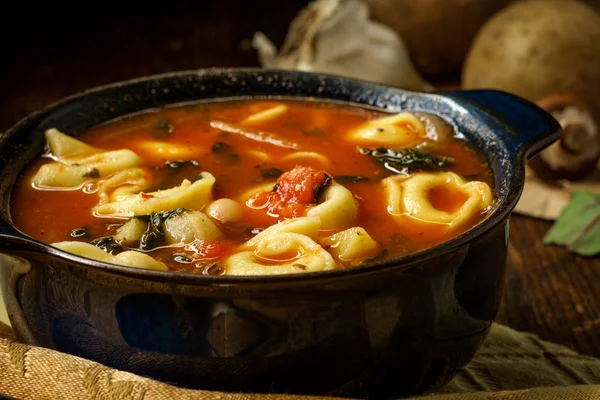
[{"x": 391, "y": 328}]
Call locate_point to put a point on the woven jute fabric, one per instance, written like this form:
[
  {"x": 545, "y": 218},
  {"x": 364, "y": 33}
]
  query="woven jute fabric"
[{"x": 510, "y": 366}]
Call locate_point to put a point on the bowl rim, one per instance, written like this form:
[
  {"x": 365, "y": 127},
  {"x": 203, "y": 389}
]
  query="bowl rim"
[{"x": 500, "y": 213}]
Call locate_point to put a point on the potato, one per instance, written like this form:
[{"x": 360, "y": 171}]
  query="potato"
[
  {"x": 536, "y": 48},
  {"x": 438, "y": 33}
]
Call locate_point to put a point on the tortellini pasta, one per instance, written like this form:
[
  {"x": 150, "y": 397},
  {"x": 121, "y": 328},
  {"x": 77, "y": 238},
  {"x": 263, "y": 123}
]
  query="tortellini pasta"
[
  {"x": 193, "y": 196},
  {"x": 308, "y": 226},
  {"x": 351, "y": 246},
  {"x": 255, "y": 187},
  {"x": 76, "y": 162},
  {"x": 63, "y": 146},
  {"x": 402, "y": 129},
  {"x": 338, "y": 208},
  {"x": 122, "y": 184},
  {"x": 286, "y": 248},
  {"x": 415, "y": 196},
  {"x": 129, "y": 258},
  {"x": 166, "y": 149},
  {"x": 308, "y": 158}
]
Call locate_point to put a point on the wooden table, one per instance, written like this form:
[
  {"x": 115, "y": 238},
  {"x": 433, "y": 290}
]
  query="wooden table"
[{"x": 548, "y": 291}]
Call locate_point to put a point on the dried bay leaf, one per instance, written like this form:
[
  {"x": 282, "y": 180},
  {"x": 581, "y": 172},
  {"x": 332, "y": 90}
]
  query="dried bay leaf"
[
  {"x": 578, "y": 227},
  {"x": 546, "y": 200}
]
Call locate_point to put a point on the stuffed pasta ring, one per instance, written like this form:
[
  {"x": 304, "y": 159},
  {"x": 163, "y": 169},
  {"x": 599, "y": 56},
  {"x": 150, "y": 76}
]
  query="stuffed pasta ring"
[{"x": 442, "y": 198}]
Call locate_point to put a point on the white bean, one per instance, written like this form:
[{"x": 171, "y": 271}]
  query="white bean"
[{"x": 225, "y": 210}]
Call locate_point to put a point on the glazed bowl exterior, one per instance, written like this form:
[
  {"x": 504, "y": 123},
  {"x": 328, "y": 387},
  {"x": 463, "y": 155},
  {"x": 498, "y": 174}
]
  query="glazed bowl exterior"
[{"x": 392, "y": 328}]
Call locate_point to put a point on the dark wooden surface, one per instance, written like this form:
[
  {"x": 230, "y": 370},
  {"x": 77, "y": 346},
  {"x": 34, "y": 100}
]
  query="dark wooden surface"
[{"x": 50, "y": 55}]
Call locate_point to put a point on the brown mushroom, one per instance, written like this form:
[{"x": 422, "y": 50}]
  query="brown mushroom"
[{"x": 575, "y": 155}]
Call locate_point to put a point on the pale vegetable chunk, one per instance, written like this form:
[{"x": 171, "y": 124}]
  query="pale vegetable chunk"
[
  {"x": 131, "y": 231},
  {"x": 128, "y": 258},
  {"x": 351, "y": 246},
  {"x": 76, "y": 162},
  {"x": 193, "y": 196},
  {"x": 402, "y": 129},
  {"x": 338, "y": 209},
  {"x": 412, "y": 196},
  {"x": 266, "y": 115},
  {"x": 189, "y": 226},
  {"x": 281, "y": 253}
]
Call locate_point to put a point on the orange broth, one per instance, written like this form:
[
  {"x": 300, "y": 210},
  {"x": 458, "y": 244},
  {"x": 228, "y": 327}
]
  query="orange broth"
[{"x": 50, "y": 216}]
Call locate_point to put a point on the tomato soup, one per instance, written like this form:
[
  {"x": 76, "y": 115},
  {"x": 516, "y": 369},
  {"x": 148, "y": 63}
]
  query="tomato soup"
[{"x": 254, "y": 187}]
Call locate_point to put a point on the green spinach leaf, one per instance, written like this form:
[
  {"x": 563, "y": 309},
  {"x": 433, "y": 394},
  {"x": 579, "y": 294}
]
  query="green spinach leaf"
[
  {"x": 271, "y": 173},
  {"x": 108, "y": 244},
  {"x": 406, "y": 160},
  {"x": 164, "y": 127},
  {"x": 181, "y": 163},
  {"x": 578, "y": 226},
  {"x": 154, "y": 235},
  {"x": 225, "y": 152},
  {"x": 78, "y": 232},
  {"x": 314, "y": 132},
  {"x": 320, "y": 190}
]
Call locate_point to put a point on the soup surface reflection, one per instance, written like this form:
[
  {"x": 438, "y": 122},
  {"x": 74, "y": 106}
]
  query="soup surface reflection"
[{"x": 254, "y": 187}]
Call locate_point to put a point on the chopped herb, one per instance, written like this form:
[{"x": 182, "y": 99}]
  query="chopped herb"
[
  {"x": 406, "y": 160},
  {"x": 154, "y": 234},
  {"x": 92, "y": 173},
  {"x": 224, "y": 151},
  {"x": 78, "y": 232},
  {"x": 320, "y": 190},
  {"x": 301, "y": 266},
  {"x": 182, "y": 258},
  {"x": 164, "y": 127},
  {"x": 314, "y": 132},
  {"x": 271, "y": 173},
  {"x": 350, "y": 178},
  {"x": 108, "y": 244},
  {"x": 578, "y": 226},
  {"x": 213, "y": 269},
  {"x": 180, "y": 163}
]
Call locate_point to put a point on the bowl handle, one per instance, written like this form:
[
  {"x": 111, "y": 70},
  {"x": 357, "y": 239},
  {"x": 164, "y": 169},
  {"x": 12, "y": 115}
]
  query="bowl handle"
[
  {"x": 530, "y": 128},
  {"x": 12, "y": 241}
]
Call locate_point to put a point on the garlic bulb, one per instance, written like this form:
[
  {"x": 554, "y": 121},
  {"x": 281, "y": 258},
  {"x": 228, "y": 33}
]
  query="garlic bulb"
[{"x": 338, "y": 37}]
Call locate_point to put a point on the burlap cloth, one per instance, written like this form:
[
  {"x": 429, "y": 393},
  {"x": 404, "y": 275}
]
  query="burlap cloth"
[{"x": 510, "y": 366}]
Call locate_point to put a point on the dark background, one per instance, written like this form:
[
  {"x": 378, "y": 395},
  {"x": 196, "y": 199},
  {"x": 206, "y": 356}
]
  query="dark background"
[
  {"x": 50, "y": 51},
  {"x": 59, "y": 50}
]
